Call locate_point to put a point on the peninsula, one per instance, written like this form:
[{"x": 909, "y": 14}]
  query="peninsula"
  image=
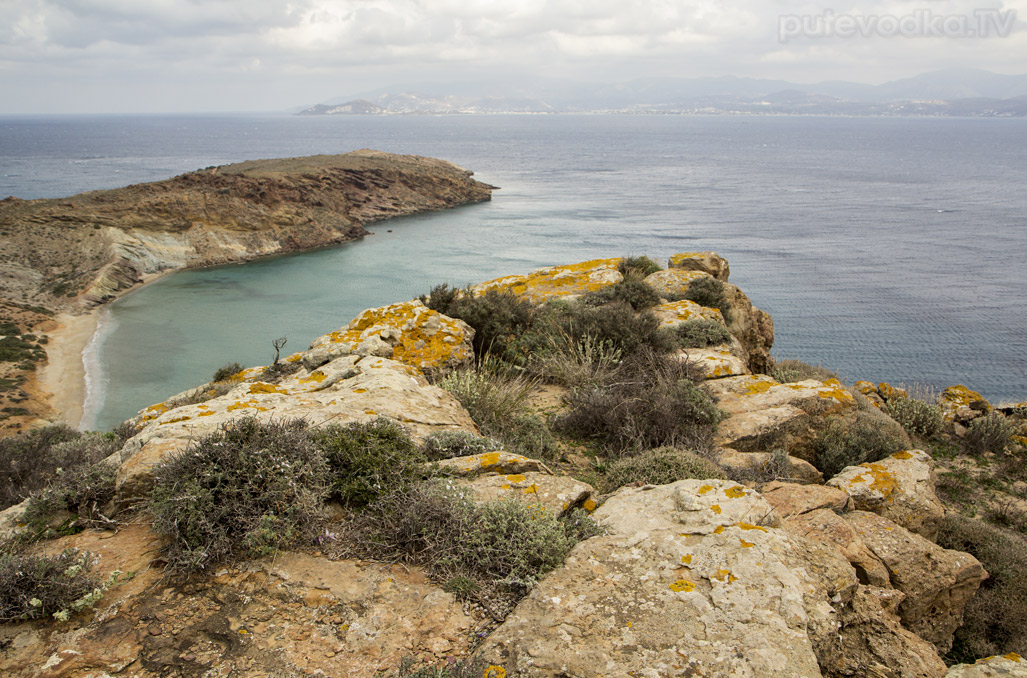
[{"x": 62, "y": 258}]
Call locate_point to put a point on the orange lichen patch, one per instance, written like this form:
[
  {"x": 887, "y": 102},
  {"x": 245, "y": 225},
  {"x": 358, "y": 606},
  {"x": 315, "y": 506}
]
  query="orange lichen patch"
[
  {"x": 515, "y": 478},
  {"x": 261, "y": 387},
  {"x": 865, "y": 387},
  {"x": 1022, "y": 440},
  {"x": 879, "y": 478},
  {"x": 371, "y": 412},
  {"x": 889, "y": 392},
  {"x": 505, "y": 486},
  {"x": 716, "y": 509},
  {"x": 719, "y": 529},
  {"x": 629, "y": 624},
  {"x": 205, "y": 414},
  {"x": 489, "y": 459},
  {"x": 686, "y": 559},
  {"x": 175, "y": 420},
  {"x": 154, "y": 411},
  {"x": 682, "y": 586},
  {"x": 736, "y": 492},
  {"x": 961, "y": 396},
  {"x": 590, "y": 505},
  {"x": 756, "y": 387},
  {"x": 724, "y": 576},
  {"x": 748, "y": 527},
  {"x": 557, "y": 281},
  {"x": 835, "y": 392},
  {"x": 902, "y": 455},
  {"x": 494, "y": 671},
  {"x": 360, "y": 390},
  {"x": 315, "y": 377},
  {"x": 705, "y": 489},
  {"x": 1012, "y": 656},
  {"x": 294, "y": 358},
  {"x": 531, "y": 489},
  {"x": 746, "y": 544},
  {"x": 241, "y": 405}
]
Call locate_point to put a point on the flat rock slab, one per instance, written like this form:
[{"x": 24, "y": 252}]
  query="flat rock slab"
[
  {"x": 556, "y": 494},
  {"x": 673, "y": 281},
  {"x": 500, "y": 462},
  {"x": 717, "y": 362},
  {"x": 899, "y": 487},
  {"x": 555, "y": 282},
  {"x": 1011, "y": 665},
  {"x": 676, "y": 313},
  {"x": 757, "y": 463},
  {"x": 938, "y": 582},
  {"x": 706, "y": 262},
  {"x": 826, "y": 526},
  {"x": 790, "y": 499}
]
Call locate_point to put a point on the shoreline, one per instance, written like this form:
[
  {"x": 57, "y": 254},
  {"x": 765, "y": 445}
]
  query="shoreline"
[{"x": 64, "y": 376}]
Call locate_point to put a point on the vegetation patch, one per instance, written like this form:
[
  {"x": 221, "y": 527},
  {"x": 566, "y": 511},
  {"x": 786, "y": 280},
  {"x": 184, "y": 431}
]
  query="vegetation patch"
[
  {"x": 574, "y": 361},
  {"x": 74, "y": 500},
  {"x": 661, "y": 466},
  {"x": 701, "y": 332},
  {"x": 637, "y": 268},
  {"x": 709, "y": 292},
  {"x": 868, "y": 439},
  {"x": 789, "y": 371},
  {"x": 33, "y": 587},
  {"x": 449, "y": 444},
  {"x": 990, "y": 433},
  {"x": 469, "y": 667},
  {"x": 918, "y": 417},
  {"x": 227, "y": 371},
  {"x": 633, "y": 292}
]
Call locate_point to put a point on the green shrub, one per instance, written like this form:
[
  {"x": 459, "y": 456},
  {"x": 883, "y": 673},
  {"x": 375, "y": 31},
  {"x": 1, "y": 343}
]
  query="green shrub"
[
  {"x": 789, "y": 371},
  {"x": 868, "y": 439},
  {"x": 637, "y": 268},
  {"x": 615, "y": 326},
  {"x": 75, "y": 497},
  {"x": 918, "y": 417},
  {"x": 499, "y": 318},
  {"x": 469, "y": 667},
  {"x": 449, "y": 444},
  {"x": 33, "y": 587},
  {"x": 29, "y": 461},
  {"x": 757, "y": 472},
  {"x": 635, "y": 293},
  {"x": 661, "y": 466},
  {"x": 227, "y": 371},
  {"x": 504, "y": 547},
  {"x": 709, "y": 292},
  {"x": 368, "y": 460},
  {"x": 700, "y": 333},
  {"x": 649, "y": 401},
  {"x": 993, "y": 620},
  {"x": 441, "y": 298},
  {"x": 990, "y": 433},
  {"x": 573, "y": 361},
  {"x": 245, "y": 490},
  {"x": 496, "y": 398}
]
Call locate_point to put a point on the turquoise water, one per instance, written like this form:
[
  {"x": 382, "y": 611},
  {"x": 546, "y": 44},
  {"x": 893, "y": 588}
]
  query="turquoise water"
[{"x": 888, "y": 249}]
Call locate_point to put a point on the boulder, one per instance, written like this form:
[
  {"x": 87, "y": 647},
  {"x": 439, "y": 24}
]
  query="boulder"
[
  {"x": 1011, "y": 665},
  {"x": 757, "y": 465},
  {"x": 500, "y": 462},
  {"x": 826, "y": 526},
  {"x": 790, "y": 499},
  {"x": 672, "y": 282},
  {"x": 556, "y": 495},
  {"x": 710, "y": 263},
  {"x": 717, "y": 362},
  {"x": 899, "y": 487},
  {"x": 753, "y": 327},
  {"x": 555, "y": 282},
  {"x": 674, "y": 313},
  {"x": 938, "y": 582},
  {"x": 959, "y": 397}
]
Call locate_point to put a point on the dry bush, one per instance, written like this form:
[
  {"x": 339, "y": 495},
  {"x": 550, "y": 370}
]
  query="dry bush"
[{"x": 661, "y": 466}]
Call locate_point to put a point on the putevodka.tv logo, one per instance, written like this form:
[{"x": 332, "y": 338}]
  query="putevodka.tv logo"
[{"x": 921, "y": 23}]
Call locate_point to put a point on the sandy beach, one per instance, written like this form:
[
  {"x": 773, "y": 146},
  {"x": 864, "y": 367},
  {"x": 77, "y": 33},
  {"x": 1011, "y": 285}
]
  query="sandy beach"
[{"x": 64, "y": 374}]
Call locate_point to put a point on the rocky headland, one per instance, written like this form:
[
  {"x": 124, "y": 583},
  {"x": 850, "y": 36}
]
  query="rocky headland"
[
  {"x": 720, "y": 514},
  {"x": 64, "y": 257}
]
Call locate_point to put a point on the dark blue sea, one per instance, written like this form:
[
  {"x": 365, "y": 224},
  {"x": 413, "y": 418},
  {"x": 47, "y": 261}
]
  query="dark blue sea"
[{"x": 885, "y": 248}]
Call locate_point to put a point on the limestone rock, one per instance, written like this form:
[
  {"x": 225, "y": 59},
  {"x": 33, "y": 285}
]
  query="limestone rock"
[
  {"x": 954, "y": 398},
  {"x": 826, "y": 526},
  {"x": 710, "y": 263},
  {"x": 765, "y": 415},
  {"x": 872, "y": 642},
  {"x": 937, "y": 582},
  {"x": 1011, "y": 665},
  {"x": 408, "y": 332},
  {"x": 556, "y": 494},
  {"x": 753, "y": 327},
  {"x": 664, "y": 595},
  {"x": 899, "y": 487},
  {"x": 555, "y": 282},
  {"x": 675, "y": 313},
  {"x": 717, "y": 362},
  {"x": 500, "y": 462},
  {"x": 10, "y": 519},
  {"x": 757, "y": 463},
  {"x": 789, "y": 499},
  {"x": 672, "y": 282}
]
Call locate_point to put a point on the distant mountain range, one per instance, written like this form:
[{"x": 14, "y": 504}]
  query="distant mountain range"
[{"x": 953, "y": 92}]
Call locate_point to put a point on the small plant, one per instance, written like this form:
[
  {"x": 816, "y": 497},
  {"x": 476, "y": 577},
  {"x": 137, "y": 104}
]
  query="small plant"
[
  {"x": 449, "y": 444},
  {"x": 367, "y": 460},
  {"x": 635, "y": 293},
  {"x": 990, "y": 433},
  {"x": 33, "y": 587},
  {"x": 227, "y": 371},
  {"x": 764, "y": 470},
  {"x": 649, "y": 401},
  {"x": 789, "y": 371},
  {"x": 637, "y": 268},
  {"x": 700, "y": 333},
  {"x": 469, "y": 667},
  {"x": 75, "y": 498},
  {"x": 866, "y": 440},
  {"x": 573, "y": 361},
  {"x": 661, "y": 466},
  {"x": 918, "y": 417},
  {"x": 709, "y": 292},
  {"x": 278, "y": 344},
  {"x": 243, "y": 491},
  {"x": 498, "y": 318}
]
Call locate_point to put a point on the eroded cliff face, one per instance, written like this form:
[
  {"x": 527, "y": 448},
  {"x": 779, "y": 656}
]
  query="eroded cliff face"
[{"x": 72, "y": 254}]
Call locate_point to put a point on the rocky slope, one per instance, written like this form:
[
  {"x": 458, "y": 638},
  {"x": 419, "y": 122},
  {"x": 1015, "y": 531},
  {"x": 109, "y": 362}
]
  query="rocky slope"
[
  {"x": 793, "y": 578},
  {"x": 74, "y": 253}
]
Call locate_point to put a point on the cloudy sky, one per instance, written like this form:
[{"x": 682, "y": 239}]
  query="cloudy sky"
[{"x": 83, "y": 56}]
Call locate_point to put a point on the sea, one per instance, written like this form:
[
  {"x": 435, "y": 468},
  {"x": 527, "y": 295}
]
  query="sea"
[{"x": 887, "y": 249}]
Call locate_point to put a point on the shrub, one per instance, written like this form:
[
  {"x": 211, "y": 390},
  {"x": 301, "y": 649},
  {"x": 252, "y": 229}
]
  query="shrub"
[
  {"x": 245, "y": 490},
  {"x": 227, "y": 371},
  {"x": 366, "y": 460},
  {"x": 449, "y": 444},
  {"x": 635, "y": 293},
  {"x": 661, "y": 466},
  {"x": 29, "y": 461},
  {"x": 649, "y": 401},
  {"x": 918, "y": 417},
  {"x": 866, "y": 440},
  {"x": 76, "y": 497},
  {"x": 709, "y": 292},
  {"x": 33, "y": 587},
  {"x": 637, "y": 268},
  {"x": 572, "y": 361},
  {"x": 503, "y": 547},
  {"x": 469, "y": 667},
  {"x": 990, "y": 433},
  {"x": 788, "y": 371},
  {"x": 615, "y": 325},
  {"x": 993, "y": 619},
  {"x": 441, "y": 298},
  {"x": 757, "y": 472},
  {"x": 700, "y": 333},
  {"x": 498, "y": 318}
]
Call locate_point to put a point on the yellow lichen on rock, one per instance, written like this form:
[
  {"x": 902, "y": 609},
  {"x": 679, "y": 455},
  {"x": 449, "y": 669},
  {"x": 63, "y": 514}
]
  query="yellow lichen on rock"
[
  {"x": 554, "y": 282},
  {"x": 682, "y": 586},
  {"x": 889, "y": 392}
]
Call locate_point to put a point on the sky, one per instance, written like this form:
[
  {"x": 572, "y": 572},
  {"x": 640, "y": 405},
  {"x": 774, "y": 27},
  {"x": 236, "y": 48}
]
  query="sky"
[{"x": 138, "y": 56}]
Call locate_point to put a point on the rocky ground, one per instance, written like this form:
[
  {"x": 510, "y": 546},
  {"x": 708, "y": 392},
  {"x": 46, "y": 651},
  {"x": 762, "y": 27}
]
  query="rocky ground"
[
  {"x": 71, "y": 254},
  {"x": 779, "y": 571}
]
